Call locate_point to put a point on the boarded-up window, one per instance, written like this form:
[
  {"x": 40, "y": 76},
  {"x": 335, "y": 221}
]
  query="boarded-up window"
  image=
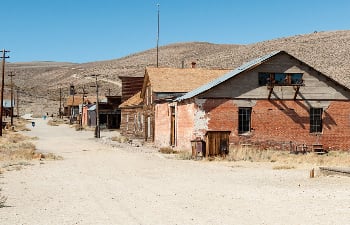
[
  {"x": 127, "y": 122},
  {"x": 244, "y": 119},
  {"x": 316, "y": 120}
]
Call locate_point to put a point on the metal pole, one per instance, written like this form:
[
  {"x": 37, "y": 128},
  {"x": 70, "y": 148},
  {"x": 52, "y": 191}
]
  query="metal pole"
[
  {"x": 17, "y": 103},
  {"x": 82, "y": 109},
  {"x": 11, "y": 75},
  {"x": 60, "y": 109},
  {"x": 97, "y": 130},
  {"x": 2, "y": 86},
  {"x": 158, "y": 38}
]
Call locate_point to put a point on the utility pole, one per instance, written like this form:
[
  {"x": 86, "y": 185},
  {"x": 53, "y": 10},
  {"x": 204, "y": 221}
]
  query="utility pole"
[
  {"x": 17, "y": 102},
  {"x": 2, "y": 85},
  {"x": 97, "y": 129},
  {"x": 11, "y": 75},
  {"x": 60, "y": 109},
  {"x": 82, "y": 109},
  {"x": 158, "y": 37}
]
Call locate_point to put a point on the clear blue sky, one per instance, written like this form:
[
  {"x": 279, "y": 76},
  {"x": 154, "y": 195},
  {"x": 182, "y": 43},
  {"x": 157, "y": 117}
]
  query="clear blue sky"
[{"x": 92, "y": 30}]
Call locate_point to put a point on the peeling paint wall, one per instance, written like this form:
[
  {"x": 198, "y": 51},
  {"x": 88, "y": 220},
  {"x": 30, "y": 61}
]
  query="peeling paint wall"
[{"x": 200, "y": 118}]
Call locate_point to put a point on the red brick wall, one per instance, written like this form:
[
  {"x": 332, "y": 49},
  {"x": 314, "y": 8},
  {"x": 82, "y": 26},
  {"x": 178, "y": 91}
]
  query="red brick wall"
[
  {"x": 185, "y": 126},
  {"x": 162, "y": 125},
  {"x": 278, "y": 122}
]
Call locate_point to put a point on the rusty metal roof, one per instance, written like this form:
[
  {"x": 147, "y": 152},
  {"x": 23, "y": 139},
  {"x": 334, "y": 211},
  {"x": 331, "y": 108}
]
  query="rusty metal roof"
[
  {"x": 249, "y": 65},
  {"x": 171, "y": 80},
  {"x": 134, "y": 101}
]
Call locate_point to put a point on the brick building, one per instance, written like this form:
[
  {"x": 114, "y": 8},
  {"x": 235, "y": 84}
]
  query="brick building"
[
  {"x": 142, "y": 114},
  {"x": 273, "y": 101},
  {"x": 270, "y": 101}
]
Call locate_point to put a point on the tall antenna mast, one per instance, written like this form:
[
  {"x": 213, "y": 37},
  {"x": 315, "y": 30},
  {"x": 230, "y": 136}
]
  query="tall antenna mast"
[{"x": 158, "y": 37}]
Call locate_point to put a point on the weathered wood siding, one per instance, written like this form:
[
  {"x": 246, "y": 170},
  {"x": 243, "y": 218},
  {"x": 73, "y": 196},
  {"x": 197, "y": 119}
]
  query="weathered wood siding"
[{"x": 246, "y": 84}]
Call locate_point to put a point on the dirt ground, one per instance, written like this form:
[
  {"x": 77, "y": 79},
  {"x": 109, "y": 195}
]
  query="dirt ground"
[{"x": 97, "y": 183}]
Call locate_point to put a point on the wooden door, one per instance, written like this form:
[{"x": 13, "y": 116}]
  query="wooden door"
[{"x": 217, "y": 143}]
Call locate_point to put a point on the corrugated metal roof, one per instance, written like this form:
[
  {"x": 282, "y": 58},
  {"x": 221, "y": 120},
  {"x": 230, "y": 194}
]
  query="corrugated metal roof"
[
  {"x": 227, "y": 76},
  {"x": 92, "y": 108}
]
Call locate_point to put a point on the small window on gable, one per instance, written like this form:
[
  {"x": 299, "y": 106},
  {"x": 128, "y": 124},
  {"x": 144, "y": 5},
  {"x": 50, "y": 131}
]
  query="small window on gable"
[
  {"x": 282, "y": 79},
  {"x": 296, "y": 78},
  {"x": 316, "y": 120},
  {"x": 264, "y": 78}
]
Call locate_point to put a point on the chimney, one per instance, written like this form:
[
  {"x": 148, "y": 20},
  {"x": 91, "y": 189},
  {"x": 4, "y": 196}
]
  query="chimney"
[{"x": 193, "y": 64}]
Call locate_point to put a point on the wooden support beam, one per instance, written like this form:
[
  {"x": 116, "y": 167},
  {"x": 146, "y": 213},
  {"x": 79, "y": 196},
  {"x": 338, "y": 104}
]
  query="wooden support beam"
[
  {"x": 296, "y": 92},
  {"x": 270, "y": 92}
]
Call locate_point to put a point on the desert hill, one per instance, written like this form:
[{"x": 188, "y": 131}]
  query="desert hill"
[{"x": 39, "y": 82}]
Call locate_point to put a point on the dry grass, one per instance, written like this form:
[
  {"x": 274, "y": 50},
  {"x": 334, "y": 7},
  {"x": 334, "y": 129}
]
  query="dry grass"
[
  {"x": 335, "y": 158},
  {"x": 16, "y": 147},
  {"x": 167, "y": 150},
  {"x": 55, "y": 122},
  {"x": 184, "y": 155},
  {"x": 120, "y": 139},
  {"x": 283, "y": 167}
]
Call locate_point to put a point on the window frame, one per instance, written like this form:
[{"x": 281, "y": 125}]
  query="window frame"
[
  {"x": 244, "y": 120},
  {"x": 289, "y": 79},
  {"x": 316, "y": 121}
]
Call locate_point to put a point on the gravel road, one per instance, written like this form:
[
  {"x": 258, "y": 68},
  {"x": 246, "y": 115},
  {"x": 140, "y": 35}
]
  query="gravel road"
[{"x": 97, "y": 183}]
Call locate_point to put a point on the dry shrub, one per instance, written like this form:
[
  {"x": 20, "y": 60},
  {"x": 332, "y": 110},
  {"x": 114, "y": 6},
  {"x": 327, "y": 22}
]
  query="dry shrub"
[
  {"x": 120, "y": 139},
  {"x": 184, "y": 155},
  {"x": 14, "y": 151},
  {"x": 167, "y": 150},
  {"x": 56, "y": 122},
  {"x": 283, "y": 167},
  {"x": 51, "y": 156},
  {"x": 334, "y": 158},
  {"x": 21, "y": 124},
  {"x": 254, "y": 155}
]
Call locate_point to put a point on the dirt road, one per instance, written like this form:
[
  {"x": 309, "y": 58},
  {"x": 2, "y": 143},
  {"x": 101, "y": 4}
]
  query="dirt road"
[{"x": 100, "y": 184}]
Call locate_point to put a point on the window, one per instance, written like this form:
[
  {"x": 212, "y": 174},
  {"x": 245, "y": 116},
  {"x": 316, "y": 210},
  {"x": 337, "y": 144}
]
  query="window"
[
  {"x": 244, "y": 120},
  {"x": 296, "y": 78},
  {"x": 280, "y": 79},
  {"x": 316, "y": 120}
]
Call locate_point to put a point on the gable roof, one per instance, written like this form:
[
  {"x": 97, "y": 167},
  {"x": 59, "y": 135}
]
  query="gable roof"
[
  {"x": 178, "y": 80},
  {"x": 133, "y": 101},
  {"x": 247, "y": 66},
  {"x": 78, "y": 100}
]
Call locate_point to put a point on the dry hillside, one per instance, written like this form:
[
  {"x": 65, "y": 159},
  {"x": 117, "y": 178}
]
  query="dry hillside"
[{"x": 39, "y": 82}]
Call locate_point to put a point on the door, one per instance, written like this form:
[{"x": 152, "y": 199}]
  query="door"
[{"x": 217, "y": 143}]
